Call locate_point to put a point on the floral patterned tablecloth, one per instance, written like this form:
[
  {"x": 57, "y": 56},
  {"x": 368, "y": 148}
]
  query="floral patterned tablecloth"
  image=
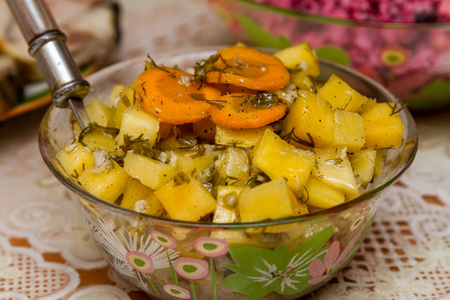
[{"x": 46, "y": 252}]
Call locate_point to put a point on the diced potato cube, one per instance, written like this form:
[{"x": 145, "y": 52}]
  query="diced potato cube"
[
  {"x": 300, "y": 56},
  {"x": 137, "y": 123},
  {"x": 99, "y": 139},
  {"x": 150, "y": 172},
  {"x": 175, "y": 142},
  {"x": 193, "y": 165},
  {"x": 348, "y": 131},
  {"x": 380, "y": 161},
  {"x": 141, "y": 198},
  {"x": 188, "y": 201},
  {"x": 235, "y": 165},
  {"x": 320, "y": 194},
  {"x": 300, "y": 208},
  {"x": 121, "y": 97},
  {"x": 239, "y": 137},
  {"x": 363, "y": 163},
  {"x": 75, "y": 158},
  {"x": 334, "y": 167},
  {"x": 303, "y": 81},
  {"x": 277, "y": 158},
  {"x": 115, "y": 94},
  {"x": 122, "y": 93},
  {"x": 117, "y": 114},
  {"x": 311, "y": 119},
  {"x": 99, "y": 112},
  {"x": 270, "y": 200},
  {"x": 129, "y": 94},
  {"x": 383, "y": 129},
  {"x": 107, "y": 182},
  {"x": 341, "y": 95}
]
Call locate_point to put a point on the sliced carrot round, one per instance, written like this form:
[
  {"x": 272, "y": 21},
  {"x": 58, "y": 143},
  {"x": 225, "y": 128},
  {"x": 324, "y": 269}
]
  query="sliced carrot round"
[
  {"x": 169, "y": 95},
  {"x": 250, "y": 68},
  {"x": 238, "y": 112}
]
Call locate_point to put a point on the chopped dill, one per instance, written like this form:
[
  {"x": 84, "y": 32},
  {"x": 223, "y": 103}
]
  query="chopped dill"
[
  {"x": 261, "y": 100},
  {"x": 201, "y": 97},
  {"x": 143, "y": 88},
  {"x": 150, "y": 64},
  {"x": 348, "y": 102},
  {"x": 292, "y": 136},
  {"x": 75, "y": 175},
  {"x": 202, "y": 68},
  {"x": 393, "y": 106},
  {"x": 140, "y": 145}
]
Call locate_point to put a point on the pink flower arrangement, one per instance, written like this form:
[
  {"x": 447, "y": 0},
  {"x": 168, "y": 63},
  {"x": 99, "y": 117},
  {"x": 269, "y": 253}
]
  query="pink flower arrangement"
[{"x": 400, "y": 11}]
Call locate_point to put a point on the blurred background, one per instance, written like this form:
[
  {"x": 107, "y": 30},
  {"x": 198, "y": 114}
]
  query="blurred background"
[
  {"x": 99, "y": 33},
  {"x": 404, "y": 45}
]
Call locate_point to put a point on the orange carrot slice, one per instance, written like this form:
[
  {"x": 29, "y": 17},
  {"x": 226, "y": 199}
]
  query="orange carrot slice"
[
  {"x": 169, "y": 95},
  {"x": 250, "y": 68},
  {"x": 241, "y": 111}
]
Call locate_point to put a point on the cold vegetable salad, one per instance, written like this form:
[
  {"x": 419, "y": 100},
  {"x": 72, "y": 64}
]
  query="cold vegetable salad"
[{"x": 245, "y": 136}]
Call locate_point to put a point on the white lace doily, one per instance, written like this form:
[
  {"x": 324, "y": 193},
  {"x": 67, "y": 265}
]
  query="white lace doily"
[{"x": 406, "y": 254}]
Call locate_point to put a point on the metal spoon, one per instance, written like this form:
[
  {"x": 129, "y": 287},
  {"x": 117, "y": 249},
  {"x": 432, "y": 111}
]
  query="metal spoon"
[{"x": 47, "y": 45}]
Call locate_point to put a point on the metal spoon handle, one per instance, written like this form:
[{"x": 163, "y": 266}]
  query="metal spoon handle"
[{"x": 47, "y": 44}]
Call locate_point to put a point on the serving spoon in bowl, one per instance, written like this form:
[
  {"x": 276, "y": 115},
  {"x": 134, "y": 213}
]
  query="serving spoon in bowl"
[{"x": 47, "y": 44}]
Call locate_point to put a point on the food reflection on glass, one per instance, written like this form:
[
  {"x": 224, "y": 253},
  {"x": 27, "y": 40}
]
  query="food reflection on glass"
[{"x": 242, "y": 136}]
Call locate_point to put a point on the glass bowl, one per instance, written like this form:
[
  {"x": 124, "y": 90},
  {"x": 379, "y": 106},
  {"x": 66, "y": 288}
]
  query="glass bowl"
[
  {"x": 411, "y": 59},
  {"x": 275, "y": 259}
]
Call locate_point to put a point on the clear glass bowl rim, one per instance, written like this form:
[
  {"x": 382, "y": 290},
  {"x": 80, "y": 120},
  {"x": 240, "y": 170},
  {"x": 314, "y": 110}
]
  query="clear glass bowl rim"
[
  {"x": 413, "y": 143},
  {"x": 346, "y": 22}
]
